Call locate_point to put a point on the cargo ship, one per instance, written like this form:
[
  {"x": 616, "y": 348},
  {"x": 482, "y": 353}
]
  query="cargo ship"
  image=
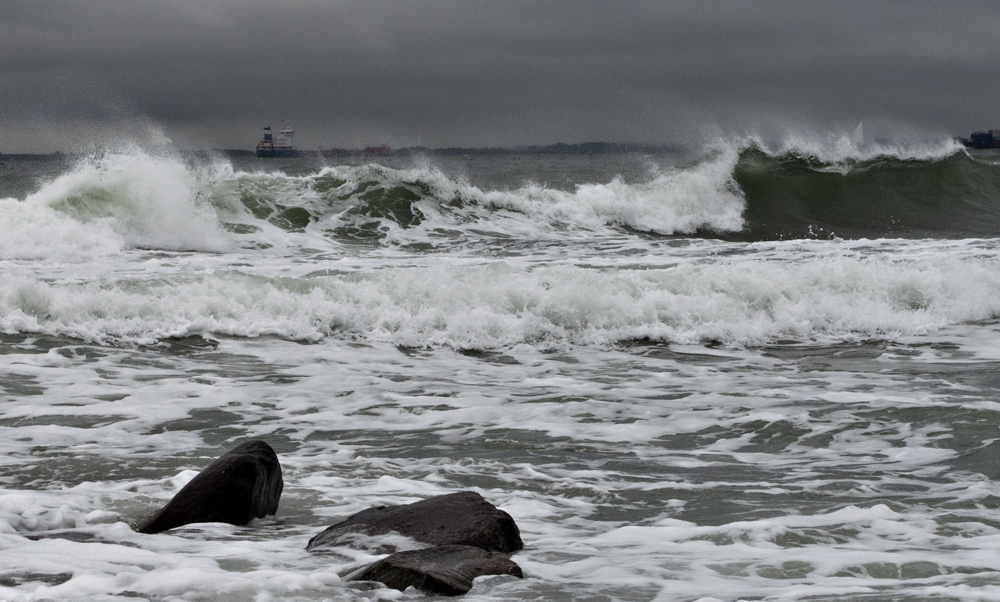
[
  {"x": 987, "y": 139},
  {"x": 277, "y": 145}
]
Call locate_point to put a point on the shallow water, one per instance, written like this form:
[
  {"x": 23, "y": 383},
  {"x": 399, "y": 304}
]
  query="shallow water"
[{"x": 667, "y": 415}]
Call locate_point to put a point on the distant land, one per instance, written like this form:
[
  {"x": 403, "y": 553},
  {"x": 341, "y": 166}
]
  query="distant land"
[
  {"x": 585, "y": 148},
  {"x": 561, "y": 148}
]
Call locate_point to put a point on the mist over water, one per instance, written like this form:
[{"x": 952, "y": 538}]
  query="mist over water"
[{"x": 758, "y": 371}]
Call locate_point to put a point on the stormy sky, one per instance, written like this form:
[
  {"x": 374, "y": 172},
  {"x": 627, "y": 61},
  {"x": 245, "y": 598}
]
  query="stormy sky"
[{"x": 490, "y": 73}]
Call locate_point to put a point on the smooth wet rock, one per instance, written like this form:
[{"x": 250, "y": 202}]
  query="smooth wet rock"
[
  {"x": 447, "y": 570},
  {"x": 462, "y": 518},
  {"x": 240, "y": 486}
]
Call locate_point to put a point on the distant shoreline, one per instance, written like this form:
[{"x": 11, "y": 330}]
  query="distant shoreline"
[
  {"x": 585, "y": 148},
  {"x": 561, "y": 148}
]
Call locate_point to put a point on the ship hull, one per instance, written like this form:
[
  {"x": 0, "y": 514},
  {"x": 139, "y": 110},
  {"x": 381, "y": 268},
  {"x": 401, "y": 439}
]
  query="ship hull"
[{"x": 277, "y": 153}]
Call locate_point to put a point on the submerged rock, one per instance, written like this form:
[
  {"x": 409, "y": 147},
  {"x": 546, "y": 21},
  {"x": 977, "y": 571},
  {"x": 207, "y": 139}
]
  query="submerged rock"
[
  {"x": 462, "y": 518},
  {"x": 468, "y": 535},
  {"x": 240, "y": 486},
  {"x": 447, "y": 570}
]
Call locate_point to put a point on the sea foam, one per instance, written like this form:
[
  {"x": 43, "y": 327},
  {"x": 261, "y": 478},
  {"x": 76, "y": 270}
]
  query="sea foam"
[
  {"x": 110, "y": 201},
  {"x": 830, "y": 295}
]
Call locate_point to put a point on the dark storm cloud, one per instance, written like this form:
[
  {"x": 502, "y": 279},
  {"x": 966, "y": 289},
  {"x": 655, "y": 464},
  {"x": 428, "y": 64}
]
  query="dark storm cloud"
[{"x": 483, "y": 73}]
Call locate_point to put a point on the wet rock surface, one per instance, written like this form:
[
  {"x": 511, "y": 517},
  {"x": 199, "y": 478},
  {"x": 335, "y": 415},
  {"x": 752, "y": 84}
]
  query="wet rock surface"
[
  {"x": 462, "y": 518},
  {"x": 447, "y": 570},
  {"x": 467, "y": 536},
  {"x": 243, "y": 484}
]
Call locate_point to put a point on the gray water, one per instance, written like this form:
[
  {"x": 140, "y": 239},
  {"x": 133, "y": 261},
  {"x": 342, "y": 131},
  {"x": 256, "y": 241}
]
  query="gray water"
[{"x": 666, "y": 417}]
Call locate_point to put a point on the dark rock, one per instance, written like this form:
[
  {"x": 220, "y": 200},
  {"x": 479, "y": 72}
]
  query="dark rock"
[
  {"x": 242, "y": 485},
  {"x": 462, "y": 518},
  {"x": 447, "y": 570}
]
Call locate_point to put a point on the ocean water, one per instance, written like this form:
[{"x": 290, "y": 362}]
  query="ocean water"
[{"x": 758, "y": 371}]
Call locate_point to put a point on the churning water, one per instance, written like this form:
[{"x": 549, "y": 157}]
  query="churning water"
[{"x": 760, "y": 372}]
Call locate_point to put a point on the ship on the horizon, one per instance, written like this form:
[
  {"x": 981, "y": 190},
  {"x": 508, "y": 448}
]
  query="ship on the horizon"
[
  {"x": 985, "y": 139},
  {"x": 279, "y": 145}
]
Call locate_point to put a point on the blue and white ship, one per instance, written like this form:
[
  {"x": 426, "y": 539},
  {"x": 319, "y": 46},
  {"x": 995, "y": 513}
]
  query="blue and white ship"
[
  {"x": 277, "y": 145},
  {"x": 985, "y": 139}
]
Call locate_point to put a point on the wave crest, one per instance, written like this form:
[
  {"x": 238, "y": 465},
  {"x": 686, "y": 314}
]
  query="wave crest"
[
  {"x": 110, "y": 201},
  {"x": 740, "y": 301}
]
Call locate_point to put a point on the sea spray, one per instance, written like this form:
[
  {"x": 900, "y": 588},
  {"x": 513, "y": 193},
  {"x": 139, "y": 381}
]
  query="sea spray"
[{"x": 148, "y": 201}]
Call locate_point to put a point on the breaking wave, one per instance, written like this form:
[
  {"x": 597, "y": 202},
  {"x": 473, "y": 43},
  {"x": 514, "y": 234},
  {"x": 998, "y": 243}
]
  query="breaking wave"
[
  {"x": 315, "y": 255},
  {"x": 109, "y": 202},
  {"x": 746, "y": 191},
  {"x": 913, "y": 193},
  {"x": 829, "y": 296},
  {"x": 373, "y": 203}
]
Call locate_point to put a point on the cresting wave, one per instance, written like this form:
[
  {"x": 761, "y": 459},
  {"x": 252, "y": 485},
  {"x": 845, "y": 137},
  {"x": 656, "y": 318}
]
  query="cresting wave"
[
  {"x": 743, "y": 192},
  {"x": 928, "y": 192},
  {"x": 381, "y": 205},
  {"x": 494, "y": 305},
  {"x": 109, "y": 202},
  {"x": 134, "y": 199},
  {"x": 275, "y": 237}
]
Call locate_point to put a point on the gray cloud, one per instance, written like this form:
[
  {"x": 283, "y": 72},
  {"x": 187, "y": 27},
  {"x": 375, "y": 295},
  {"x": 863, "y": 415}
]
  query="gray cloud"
[{"x": 490, "y": 73}]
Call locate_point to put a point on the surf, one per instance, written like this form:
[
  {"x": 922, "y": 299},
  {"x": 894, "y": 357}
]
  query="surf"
[{"x": 796, "y": 195}]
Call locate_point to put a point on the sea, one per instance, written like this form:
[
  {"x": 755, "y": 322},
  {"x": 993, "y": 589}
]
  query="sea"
[{"x": 755, "y": 370}]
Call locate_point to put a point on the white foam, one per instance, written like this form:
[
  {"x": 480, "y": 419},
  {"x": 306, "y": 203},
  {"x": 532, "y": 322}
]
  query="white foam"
[
  {"x": 676, "y": 200},
  {"x": 35, "y": 231},
  {"x": 837, "y": 148},
  {"x": 357, "y": 417},
  {"x": 109, "y": 201},
  {"x": 741, "y": 300}
]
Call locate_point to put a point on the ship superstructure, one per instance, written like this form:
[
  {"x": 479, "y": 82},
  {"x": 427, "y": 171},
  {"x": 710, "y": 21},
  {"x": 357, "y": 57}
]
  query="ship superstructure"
[{"x": 985, "y": 139}]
